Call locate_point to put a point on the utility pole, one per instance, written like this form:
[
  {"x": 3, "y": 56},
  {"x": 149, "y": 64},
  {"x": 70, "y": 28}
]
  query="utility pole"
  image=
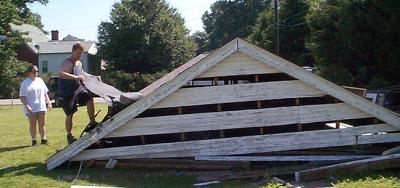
[{"x": 276, "y": 7}]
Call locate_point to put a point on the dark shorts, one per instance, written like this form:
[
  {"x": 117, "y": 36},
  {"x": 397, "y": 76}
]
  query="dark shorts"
[{"x": 70, "y": 107}]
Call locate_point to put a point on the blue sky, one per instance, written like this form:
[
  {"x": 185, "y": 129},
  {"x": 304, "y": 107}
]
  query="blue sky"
[{"x": 80, "y": 18}]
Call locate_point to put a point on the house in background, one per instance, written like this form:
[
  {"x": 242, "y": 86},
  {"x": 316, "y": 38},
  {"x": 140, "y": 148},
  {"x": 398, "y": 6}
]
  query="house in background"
[{"x": 49, "y": 54}]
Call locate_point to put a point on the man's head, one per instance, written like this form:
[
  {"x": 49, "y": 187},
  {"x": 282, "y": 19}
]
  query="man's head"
[{"x": 77, "y": 50}]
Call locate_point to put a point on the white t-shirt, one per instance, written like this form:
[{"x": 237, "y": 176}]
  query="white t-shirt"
[{"x": 34, "y": 92}]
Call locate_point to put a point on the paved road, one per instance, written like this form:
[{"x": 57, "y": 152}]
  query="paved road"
[{"x": 6, "y": 102}]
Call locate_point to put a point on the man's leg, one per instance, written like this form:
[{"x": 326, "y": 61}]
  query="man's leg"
[{"x": 68, "y": 123}]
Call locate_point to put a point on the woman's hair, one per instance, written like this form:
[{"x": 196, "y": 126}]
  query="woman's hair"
[{"x": 29, "y": 69}]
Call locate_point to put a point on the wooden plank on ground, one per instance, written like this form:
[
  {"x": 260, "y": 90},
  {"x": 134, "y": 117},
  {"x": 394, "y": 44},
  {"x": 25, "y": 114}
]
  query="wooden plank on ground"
[
  {"x": 320, "y": 83},
  {"x": 238, "y": 63},
  {"x": 249, "y": 144},
  {"x": 377, "y": 163},
  {"x": 177, "y": 164},
  {"x": 152, "y": 95},
  {"x": 239, "y": 93},
  {"x": 285, "y": 158},
  {"x": 394, "y": 150},
  {"x": 238, "y": 119}
]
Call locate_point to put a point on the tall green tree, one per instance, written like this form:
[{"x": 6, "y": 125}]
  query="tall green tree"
[
  {"x": 12, "y": 11},
  {"x": 228, "y": 20},
  {"x": 293, "y": 30},
  {"x": 356, "y": 42},
  {"x": 143, "y": 37}
]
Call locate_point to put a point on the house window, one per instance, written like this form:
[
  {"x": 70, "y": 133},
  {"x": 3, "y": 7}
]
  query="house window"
[{"x": 45, "y": 67}]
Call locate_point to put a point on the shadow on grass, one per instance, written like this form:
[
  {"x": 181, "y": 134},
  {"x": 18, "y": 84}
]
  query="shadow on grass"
[
  {"x": 12, "y": 148},
  {"x": 115, "y": 177}
]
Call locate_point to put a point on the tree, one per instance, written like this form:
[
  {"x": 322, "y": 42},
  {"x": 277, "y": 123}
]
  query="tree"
[
  {"x": 144, "y": 37},
  {"x": 292, "y": 31},
  {"x": 201, "y": 39},
  {"x": 12, "y": 11},
  {"x": 356, "y": 42},
  {"x": 231, "y": 19}
]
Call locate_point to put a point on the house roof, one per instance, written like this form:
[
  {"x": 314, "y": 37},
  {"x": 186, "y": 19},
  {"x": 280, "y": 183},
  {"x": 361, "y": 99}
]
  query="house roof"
[
  {"x": 187, "y": 72},
  {"x": 53, "y": 47},
  {"x": 71, "y": 38},
  {"x": 32, "y": 32}
]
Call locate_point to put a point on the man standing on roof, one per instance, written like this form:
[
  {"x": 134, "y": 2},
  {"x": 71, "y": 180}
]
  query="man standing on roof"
[{"x": 71, "y": 91}]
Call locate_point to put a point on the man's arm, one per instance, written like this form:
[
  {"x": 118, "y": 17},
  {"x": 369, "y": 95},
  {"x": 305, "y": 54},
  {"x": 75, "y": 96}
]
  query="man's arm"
[{"x": 68, "y": 76}]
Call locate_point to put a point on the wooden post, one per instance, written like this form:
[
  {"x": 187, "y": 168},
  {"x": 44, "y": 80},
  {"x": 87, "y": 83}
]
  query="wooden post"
[
  {"x": 142, "y": 139},
  {"x": 182, "y": 135},
  {"x": 219, "y": 109},
  {"x": 256, "y": 78},
  {"x": 215, "y": 81},
  {"x": 299, "y": 127}
]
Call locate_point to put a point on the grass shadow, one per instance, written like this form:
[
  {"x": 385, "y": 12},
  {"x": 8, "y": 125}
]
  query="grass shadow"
[
  {"x": 12, "y": 148},
  {"x": 115, "y": 177}
]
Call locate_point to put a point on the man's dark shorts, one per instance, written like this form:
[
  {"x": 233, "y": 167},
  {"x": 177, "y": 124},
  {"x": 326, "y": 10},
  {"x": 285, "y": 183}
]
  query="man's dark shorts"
[{"x": 70, "y": 107}]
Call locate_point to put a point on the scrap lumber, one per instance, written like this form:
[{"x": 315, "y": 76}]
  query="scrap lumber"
[
  {"x": 285, "y": 158},
  {"x": 320, "y": 83},
  {"x": 394, "y": 150},
  {"x": 152, "y": 94},
  {"x": 237, "y": 119},
  {"x": 248, "y": 144},
  {"x": 377, "y": 163},
  {"x": 174, "y": 164}
]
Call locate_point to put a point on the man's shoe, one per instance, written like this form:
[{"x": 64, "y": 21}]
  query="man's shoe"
[
  {"x": 91, "y": 126},
  {"x": 70, "y": 138},
  {"x": 44, "y": 141},
  {"x": 34, "y": 142}
]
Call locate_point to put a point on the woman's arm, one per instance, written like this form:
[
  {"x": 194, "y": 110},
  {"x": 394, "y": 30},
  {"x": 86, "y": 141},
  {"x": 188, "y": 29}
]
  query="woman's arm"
[{"x": 28, "y": 108}]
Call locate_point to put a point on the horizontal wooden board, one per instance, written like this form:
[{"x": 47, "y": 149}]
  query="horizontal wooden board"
[
  {"x": 249, "y": 144},
  {"x": 284, "y": 158},
  {"x": 153, "y": 94},
  {"x": 378, "y": 163},
  {"x": 238, "y": 63},
  {"x": 237, "y": 119},
  {"x": 320, "y": 83},
  {"x": 239, "y": 93}
]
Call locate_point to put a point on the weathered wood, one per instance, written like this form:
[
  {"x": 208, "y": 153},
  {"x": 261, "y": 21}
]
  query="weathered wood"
[
  {"x": 356, "y": 90},
  {"x": 238, "y": 64},
  {"x": 111, "y": 164},
  {"x": 237, "y": 119},
  {"x": 320, "y": 83},
  {"x": 285, "y": 158},
  {"x": 239, "y": 93},
  {"x": 394, "y": 150},
  {"x": 178, "y": 164},
  {"x": 152, "y": 94},
  {"x": 249, "y": 144},
  {"x": 377, "y": 163}
]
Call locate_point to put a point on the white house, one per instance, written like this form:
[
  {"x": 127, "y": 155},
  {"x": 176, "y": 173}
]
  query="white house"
[{"x": 49, "y": 54}]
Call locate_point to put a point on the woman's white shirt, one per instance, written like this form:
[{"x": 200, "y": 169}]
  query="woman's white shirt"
[{"x": 34, "y": 92}]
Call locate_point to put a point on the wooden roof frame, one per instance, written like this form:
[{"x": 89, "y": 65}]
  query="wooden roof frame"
[{"x": 190, "y": 70}]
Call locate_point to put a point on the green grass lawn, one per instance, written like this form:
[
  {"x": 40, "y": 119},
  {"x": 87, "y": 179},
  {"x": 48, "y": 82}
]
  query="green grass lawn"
[{"x": 24, "y": 166}]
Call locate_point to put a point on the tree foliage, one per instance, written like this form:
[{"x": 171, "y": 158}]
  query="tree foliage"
[
  {"x": 12, "y": 11},
  {"x": 231, "y": 19},
  {"x": 144, "y": 37},
  {"x": 292, "y": 31},
  {"x": 356, "y": 42}
]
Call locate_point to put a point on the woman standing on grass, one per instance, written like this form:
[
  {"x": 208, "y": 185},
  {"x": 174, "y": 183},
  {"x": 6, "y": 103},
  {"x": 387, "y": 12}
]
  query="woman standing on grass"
[{"x": 33, "y": 95}]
